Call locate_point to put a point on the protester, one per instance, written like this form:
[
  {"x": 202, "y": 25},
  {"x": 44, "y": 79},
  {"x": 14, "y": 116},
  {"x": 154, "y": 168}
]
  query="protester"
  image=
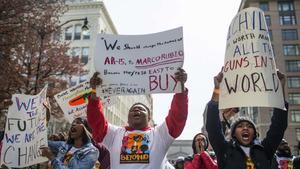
[
  {"x": 77, "y": 152},
  {"x": 179, "y": 163},
  {"x": 201, "y": 159},
  {"x": 138, "y": 145},
  {"x": 244, "y": 150},
  {"x": 283, "y": 158}
]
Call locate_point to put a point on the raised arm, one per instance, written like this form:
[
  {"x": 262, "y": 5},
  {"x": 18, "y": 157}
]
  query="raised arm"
[
  {"x": 179, "y": 108},
  {"x": 194, "y": 163},
  {"x": 278, "y": 124},
  {"x": 95, "y": 114},
  {"x": 213, "y": 123},
  {"x": 208, "y": 162}
]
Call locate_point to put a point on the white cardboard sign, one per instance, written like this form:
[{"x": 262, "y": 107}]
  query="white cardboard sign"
[
  {"x": 25, "y": 131},
  {"x": 139, "y": 64},
  {"x": 73, "y": 101},
  {"x": 250, "y": 77}
]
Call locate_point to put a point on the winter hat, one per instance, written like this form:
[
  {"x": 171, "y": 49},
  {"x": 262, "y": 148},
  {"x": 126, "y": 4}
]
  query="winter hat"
[
  {"x": 179, "y": 159},
  {"x": 283, "y": 141},
  {"x": 238, "y": 121}
]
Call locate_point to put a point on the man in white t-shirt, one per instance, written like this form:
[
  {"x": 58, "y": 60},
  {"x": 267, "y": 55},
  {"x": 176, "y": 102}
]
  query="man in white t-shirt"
[
  {"x": 138, "y": 145},
  {"x": 283, "y": 158}
]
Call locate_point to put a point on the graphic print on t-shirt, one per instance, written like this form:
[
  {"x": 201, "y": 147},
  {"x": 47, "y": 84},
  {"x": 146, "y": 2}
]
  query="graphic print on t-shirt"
[
  {"x": 250, "y": 163},
  {"x": 135, "y": 148},
  {"x": 285, "y": 164}
]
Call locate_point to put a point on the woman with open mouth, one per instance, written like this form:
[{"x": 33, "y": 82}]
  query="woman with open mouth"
[{"x": 77, "y": 152}]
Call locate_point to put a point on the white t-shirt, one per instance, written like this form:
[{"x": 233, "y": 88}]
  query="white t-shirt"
[
  {"x": 246, "y": 150},
  {"x": 285, "y": 162},
  {"x": 138, "y": 149},
  {"x": 249, "y": 161}
]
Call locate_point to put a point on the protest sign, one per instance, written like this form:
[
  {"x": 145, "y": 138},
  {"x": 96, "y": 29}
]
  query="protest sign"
[
  {"x": 25, "y": 131},
  {"x": 139, "y": 64},
  {"x": 73, "y": 101},
  {"x": 250, "y": 77}
]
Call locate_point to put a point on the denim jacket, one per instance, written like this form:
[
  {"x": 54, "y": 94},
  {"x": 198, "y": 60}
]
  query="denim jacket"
[{"x": 83, "y": 158}]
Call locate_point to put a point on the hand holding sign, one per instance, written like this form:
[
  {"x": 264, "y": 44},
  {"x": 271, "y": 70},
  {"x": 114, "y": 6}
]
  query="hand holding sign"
[
  {"x": 282, "y": 79},
  {"x": 218, "y": 80},
  {"x": 95, "y": 80},
  {"x": 181, "y": 76},
  {"x": 46, "y": 152}
]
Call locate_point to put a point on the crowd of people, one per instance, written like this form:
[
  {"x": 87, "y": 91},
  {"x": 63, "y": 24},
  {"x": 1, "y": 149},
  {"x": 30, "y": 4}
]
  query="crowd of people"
[{"x": 93, "y": 142}]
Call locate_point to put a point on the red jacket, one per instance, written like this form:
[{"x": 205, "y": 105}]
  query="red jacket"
[
  {"x": 201, "y": 161},
  {"x": 175, "y": 120}
]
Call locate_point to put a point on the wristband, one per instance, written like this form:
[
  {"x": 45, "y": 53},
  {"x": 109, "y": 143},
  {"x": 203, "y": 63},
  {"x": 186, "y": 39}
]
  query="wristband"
[{"x": 217, "y": 91}]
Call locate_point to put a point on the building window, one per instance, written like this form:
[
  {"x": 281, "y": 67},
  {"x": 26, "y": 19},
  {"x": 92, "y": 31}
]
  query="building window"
[
  {"x": 83, "y": 78},
  {"x": 295, "y": 115},
  {"x": 287, "y": 19},
  {"x": 68, "y": 33},
  {"x": 77, "y": 35},
  {"x": 75, "y": 52},
  {"x": 291, "y": 50},
  {"x": 86, "y": 34},
  {"x": 293, "y": 66},
  {"x": 268, "y": 20},
  {"x": 298, "y": 134},
  {"x": 285, "y": 6},
  {"x": 289, "y": 34},
  {"x": 73, "y": 81},
  {"x": 293, "y": 82},
  {"x": 294, "y": 98},
  {"x": 264, "y": 6},
  {"x": 85, "y": 55}
]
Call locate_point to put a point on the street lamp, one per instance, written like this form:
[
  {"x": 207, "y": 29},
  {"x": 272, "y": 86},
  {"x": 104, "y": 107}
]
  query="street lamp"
[
  {"x": 85, "y": 24},
  {"x": 42, "y": 35}
]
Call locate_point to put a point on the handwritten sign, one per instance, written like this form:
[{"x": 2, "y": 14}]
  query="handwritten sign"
[
  {"x": 139, "y": 64},
  {"x": 73, "y": 101},
  {"x": 250, "y": 77},
  {"x": 25, "y": 131}
]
